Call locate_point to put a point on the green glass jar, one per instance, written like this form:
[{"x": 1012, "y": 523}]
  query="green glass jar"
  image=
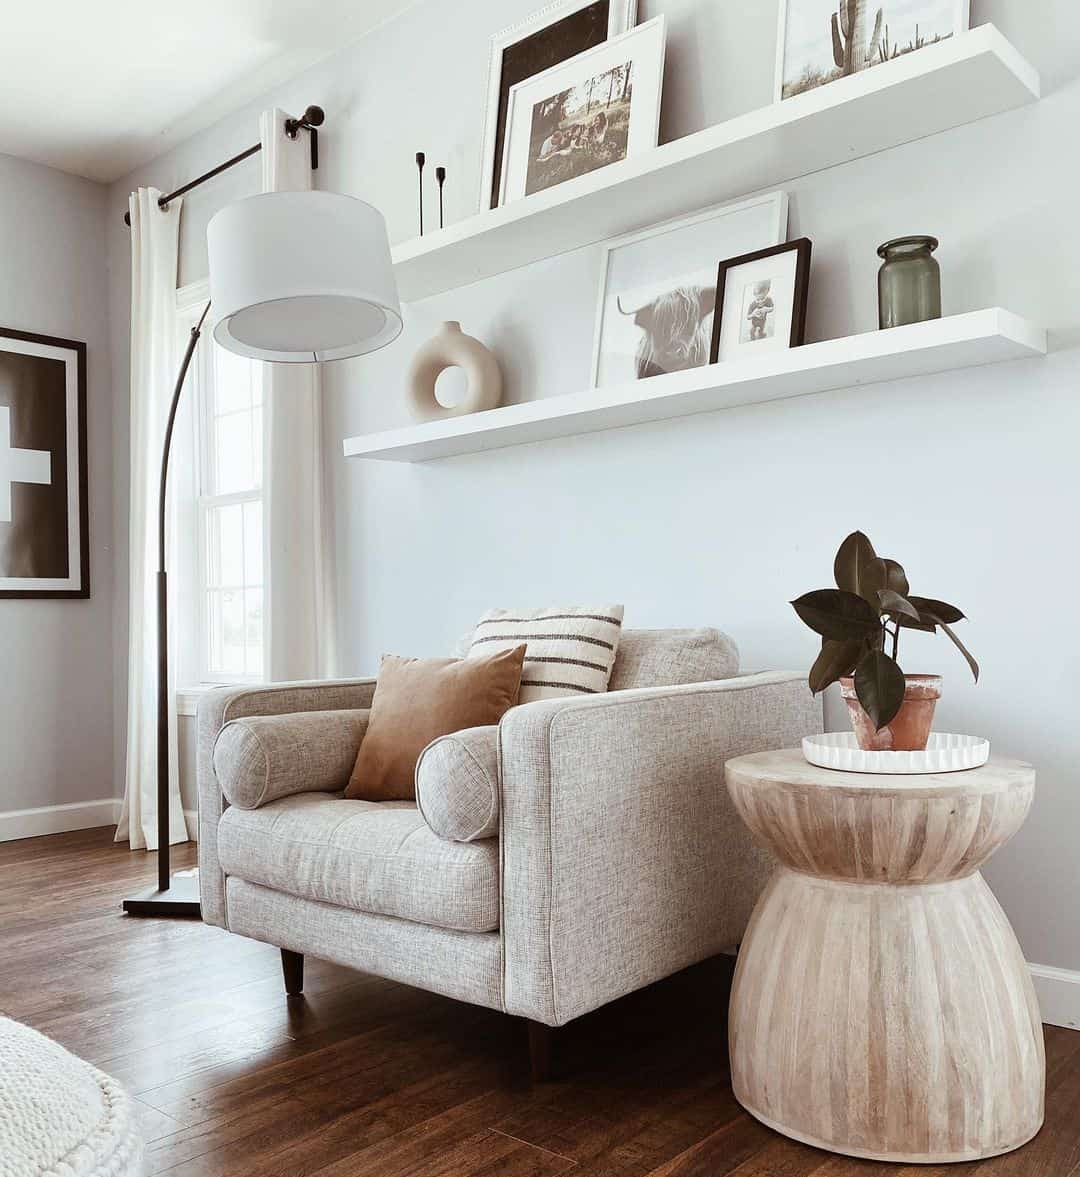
[{"x": 909, "y": 282}]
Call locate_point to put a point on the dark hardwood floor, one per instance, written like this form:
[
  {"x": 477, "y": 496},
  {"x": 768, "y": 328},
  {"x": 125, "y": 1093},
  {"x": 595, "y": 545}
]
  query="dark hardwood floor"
[{"x": 362, "y": 1076}]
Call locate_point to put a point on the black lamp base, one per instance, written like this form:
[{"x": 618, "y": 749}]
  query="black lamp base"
[{"x": 181, "y": 899}]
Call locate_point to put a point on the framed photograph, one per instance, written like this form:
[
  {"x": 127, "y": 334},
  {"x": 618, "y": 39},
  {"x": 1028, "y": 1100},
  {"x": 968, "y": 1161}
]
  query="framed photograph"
[
  {"x": 594, "y": 110},
  {"x": 556, "y": 33},
  {"x": 658, "y": 287},
  {"x": 821, "y": 41},
  {"x": 761, "y": 302},
  {"x": 44, "y": 548}
]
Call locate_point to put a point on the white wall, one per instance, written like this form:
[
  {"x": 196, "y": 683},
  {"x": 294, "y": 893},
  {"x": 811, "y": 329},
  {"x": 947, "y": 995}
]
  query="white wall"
[
  {"x": 969, "y": 478},
  {"x": 56, "y": 703}
]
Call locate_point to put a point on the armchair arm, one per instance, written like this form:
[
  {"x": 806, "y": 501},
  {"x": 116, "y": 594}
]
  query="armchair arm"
[
  {"x": 216, "y": 709},
  {"x": 623, "y": 859}
]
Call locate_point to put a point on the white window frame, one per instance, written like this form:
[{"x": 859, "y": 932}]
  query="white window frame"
[{"x": 195, "y": 613}]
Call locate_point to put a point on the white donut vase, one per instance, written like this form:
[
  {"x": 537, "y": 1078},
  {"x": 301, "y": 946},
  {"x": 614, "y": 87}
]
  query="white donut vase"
[{"x": 450, "y": 347}]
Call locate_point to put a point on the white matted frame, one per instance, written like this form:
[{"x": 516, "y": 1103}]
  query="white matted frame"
[
  {"x": 644, "y": 43},
  {"x": 622, "y": 15},
  {"x": 32, "y": 466},
  {"x": 959, "y": 10},
  {"x": 773, "y": 207}
]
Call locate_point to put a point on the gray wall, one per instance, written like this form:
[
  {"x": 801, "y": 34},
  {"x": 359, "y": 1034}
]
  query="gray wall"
[
  {"x": 968, "y": 478},
  {"x": 56, "y": 702}
]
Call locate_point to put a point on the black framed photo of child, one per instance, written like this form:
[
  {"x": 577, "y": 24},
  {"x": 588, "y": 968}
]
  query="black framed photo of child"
[
  {"x": 761, "y": 302},
  {"x": 596, "y": 109}
]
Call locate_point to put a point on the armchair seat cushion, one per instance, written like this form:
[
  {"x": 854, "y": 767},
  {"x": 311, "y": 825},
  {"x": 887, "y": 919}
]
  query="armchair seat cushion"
[{"x": 376, "y": 857}]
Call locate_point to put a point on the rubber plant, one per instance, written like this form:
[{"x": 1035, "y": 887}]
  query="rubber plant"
[{"x": 860, "y": 622}]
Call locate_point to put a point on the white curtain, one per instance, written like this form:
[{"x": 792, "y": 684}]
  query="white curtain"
[
  {"x": 299, "y": 607},
  {"x": 154, "y": 361}
]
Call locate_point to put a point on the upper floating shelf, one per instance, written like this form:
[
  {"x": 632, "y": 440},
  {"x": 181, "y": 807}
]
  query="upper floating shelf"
[
  {"x": 959, "y": 341},
  {"x": 957, "y": 81}
]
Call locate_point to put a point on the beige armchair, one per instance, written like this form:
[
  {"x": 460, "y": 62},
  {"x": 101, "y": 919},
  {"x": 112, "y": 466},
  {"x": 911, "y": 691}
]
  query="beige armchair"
[{"x": 606, "y": 854}]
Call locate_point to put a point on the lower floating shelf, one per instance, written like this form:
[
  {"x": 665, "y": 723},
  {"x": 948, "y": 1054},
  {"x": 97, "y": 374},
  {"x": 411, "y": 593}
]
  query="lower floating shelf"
[{"x": 960, "y": 341}]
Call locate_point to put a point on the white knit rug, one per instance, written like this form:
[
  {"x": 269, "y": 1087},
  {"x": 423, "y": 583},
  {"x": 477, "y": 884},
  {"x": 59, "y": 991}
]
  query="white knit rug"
[{"x": 59, "y": 1116}]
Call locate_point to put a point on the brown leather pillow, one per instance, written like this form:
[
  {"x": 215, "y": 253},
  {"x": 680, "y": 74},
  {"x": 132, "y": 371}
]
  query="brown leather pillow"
[{"x": 419, "y": 699}]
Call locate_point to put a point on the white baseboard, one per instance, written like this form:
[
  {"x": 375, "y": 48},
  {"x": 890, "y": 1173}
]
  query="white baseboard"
[
  {"x": 58, "y": 819},
  {"x": 1058, "y": 991},
  {"x": 77, "y": 815}
]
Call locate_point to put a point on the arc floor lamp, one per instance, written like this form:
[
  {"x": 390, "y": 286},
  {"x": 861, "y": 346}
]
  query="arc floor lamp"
[{"x": 295, "y": 277}]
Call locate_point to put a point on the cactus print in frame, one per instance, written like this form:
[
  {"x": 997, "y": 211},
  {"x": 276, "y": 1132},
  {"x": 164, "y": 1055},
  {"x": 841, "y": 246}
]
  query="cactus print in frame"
[{"x": 822, "y": 41}]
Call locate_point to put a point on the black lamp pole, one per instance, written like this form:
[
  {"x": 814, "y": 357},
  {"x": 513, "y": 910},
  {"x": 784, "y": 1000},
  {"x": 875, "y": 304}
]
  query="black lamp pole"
[
  {"x": 170, "y": 896},
  {"x": 181, "y": 896}
]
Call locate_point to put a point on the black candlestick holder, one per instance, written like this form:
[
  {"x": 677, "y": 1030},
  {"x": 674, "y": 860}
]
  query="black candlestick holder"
[
  {"x": 440, "y": 175},
  {"x": 420, "y": 159}
]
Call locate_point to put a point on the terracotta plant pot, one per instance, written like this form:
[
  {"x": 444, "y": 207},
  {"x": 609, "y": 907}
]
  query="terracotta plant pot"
[{"x": 910, "y": 727}]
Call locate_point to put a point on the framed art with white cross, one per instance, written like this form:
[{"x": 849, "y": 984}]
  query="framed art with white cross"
[{"x": 44, "y": 548}]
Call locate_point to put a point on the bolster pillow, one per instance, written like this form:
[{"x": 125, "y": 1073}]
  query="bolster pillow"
[
  {"x": 263, "y": 757},
  {"x": 457, "y": 784}
]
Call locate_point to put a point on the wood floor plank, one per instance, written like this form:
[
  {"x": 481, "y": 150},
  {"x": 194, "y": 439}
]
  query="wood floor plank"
[
  {"x": 721, "y": 1152},
  {"x": 153, "y": 1124},
  {"x": 441, "y": 1145},
  {"x": 361, "y": 1077}
]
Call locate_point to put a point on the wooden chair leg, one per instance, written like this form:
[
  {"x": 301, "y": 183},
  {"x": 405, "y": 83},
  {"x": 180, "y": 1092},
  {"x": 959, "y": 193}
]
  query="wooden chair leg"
[
  {"x": 540, "y": 1051},
  {"x": 292, "y": 967}
]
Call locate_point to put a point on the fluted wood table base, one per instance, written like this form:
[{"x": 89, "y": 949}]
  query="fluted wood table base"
[{"x": 881, "y": 1005}]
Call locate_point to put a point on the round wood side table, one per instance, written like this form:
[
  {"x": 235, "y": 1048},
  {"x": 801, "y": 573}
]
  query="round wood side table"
[{"x": 881, "y": 1005}]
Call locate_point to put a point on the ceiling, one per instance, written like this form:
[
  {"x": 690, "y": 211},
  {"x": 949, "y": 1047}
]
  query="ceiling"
[{"x": 97, "y": 87}]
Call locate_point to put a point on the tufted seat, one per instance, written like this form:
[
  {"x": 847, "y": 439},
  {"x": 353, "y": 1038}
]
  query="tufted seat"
[{"x": 377, "y": 857}]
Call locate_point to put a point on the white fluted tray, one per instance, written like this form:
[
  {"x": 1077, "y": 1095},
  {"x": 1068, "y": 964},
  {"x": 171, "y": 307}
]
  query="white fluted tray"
[{"x": 943, "y": 753}]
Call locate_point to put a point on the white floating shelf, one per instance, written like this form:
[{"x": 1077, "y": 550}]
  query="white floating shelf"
[
  {"x": 960, "y": 341},
  {"x": 957, "y": 81}
]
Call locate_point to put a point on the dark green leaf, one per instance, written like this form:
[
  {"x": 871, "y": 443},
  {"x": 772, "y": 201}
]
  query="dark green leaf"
[
  {"x": 836, "y": 659},
  {"x": 895, "y": 577},
  {"x": 837, "y": 614},
  {"x": 924, "y": 623},
  {"x": 879, "y": 684},
  {"x": 939, "y": 609},
  {"x": 896, "y": 605},
  {"x": 857, "y": 568},
  {"x": 961, "y": 647}
]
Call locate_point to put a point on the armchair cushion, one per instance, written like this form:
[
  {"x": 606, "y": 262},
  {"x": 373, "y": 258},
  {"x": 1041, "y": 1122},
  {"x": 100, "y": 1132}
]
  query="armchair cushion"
[
  {"x": 672, "y": 658},
  {"x": 570, "y": 648},
  {"x": 260, "y": 758},
  {"x": 419, "y": 699},
  {"x": 457, "y": 784},
  {"x": 377, "y": 857}
]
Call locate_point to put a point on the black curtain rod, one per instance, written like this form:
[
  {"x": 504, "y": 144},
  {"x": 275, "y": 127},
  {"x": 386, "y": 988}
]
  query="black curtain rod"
[{"x": 311, "y": 119}]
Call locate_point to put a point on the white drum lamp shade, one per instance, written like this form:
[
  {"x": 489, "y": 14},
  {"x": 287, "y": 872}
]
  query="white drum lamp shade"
[{"x": 301, "y": 277}]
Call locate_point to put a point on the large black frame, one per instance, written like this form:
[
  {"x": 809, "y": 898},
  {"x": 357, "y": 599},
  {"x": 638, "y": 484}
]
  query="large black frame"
[
  {"x": 537, "y": 51},
  {"x": 802, "y": 246},
  {"x": 83, "y": 591}
]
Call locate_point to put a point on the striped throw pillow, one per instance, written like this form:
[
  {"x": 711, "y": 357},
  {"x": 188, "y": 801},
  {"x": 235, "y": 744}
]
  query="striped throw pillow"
[{"x": 569, "y": 650}]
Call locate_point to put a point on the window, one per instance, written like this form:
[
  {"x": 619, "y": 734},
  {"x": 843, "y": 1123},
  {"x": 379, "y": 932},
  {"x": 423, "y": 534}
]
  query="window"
[{"x": 226, "y": 612}]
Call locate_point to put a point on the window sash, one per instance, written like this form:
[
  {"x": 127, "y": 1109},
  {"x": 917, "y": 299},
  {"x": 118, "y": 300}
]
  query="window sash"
[
  {"x": 204, "y": 370},
  {"x": 209, "y": 587}
]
